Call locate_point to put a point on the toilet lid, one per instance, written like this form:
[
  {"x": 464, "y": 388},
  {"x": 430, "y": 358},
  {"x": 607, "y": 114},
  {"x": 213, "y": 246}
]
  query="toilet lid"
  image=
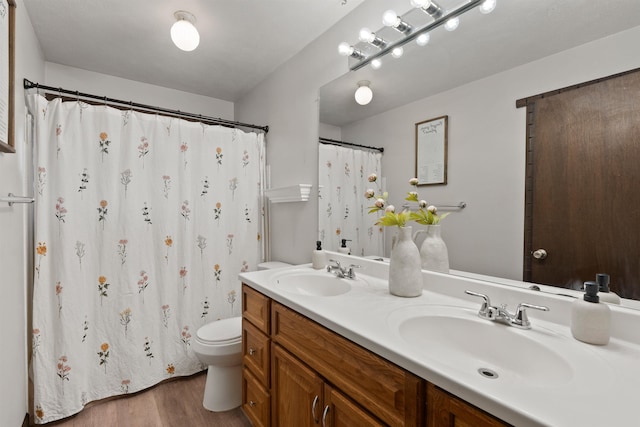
[{"x": 220, "y": 331}]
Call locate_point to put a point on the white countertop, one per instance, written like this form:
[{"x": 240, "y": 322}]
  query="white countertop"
[{"x": 603, "y": 394}]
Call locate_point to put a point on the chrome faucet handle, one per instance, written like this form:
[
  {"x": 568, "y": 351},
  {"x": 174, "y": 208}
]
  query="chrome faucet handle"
[
  {"x": 332, "y": 268},
  {"x": 520, "y": 319},
  {"x": 350, "y": 273},
  {"x": 486, "y": 310}
]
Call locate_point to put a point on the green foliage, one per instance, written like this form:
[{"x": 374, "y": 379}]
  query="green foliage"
[
  {"x": 392, "y": 218},
  {"x": 426, "y": 217}
]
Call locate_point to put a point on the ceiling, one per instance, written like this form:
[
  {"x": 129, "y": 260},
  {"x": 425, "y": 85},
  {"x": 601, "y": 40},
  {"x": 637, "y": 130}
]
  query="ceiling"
[
  {"x": 515, "y": 33},
  {"x": 241, "y": 41}
]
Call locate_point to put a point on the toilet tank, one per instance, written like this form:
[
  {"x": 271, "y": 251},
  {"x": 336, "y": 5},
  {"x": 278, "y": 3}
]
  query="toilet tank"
[{"x": 272, "y": 264}]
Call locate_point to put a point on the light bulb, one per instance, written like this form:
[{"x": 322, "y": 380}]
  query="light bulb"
[
  {"x": 397, "y": 52},
  {"x": 363, "y": 94},
  {"x": 420, "y": 3},
  {"x": 487, "y": 6},
  {"x": 423, "y": 39},
  {"x": 366, "y": 35},
  {"x": 376, "y": 64},
  {"x": 185, "y": 35},
  {"x": 452, "y": 24},
  {"x": 345, "y": 49},
  {"x": 390, "y": 18}
]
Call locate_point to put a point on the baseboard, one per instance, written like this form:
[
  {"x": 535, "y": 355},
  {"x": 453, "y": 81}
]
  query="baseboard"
[{"x": 25, "y": 422}]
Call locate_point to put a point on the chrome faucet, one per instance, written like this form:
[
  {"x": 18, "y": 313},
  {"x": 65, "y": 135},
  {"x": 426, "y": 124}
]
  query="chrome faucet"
[
  {"x": 342, "y": 272},
  {"x": 500, "y": 314}
]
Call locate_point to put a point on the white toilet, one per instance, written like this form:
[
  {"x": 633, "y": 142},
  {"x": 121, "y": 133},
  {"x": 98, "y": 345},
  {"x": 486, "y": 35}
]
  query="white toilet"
[{"x": 218, "y": 345}]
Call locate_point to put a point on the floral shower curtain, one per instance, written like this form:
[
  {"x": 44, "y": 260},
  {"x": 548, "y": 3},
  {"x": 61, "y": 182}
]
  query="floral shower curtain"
[
  {"x": 342, "y": 205},
  {"x": 143, "y": 223}
]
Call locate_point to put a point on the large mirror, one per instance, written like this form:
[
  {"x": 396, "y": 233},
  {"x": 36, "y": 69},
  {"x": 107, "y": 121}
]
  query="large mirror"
[{"x": 474, "y": 75}]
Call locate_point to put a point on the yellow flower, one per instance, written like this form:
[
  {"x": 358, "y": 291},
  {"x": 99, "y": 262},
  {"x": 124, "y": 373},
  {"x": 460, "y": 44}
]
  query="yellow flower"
[
  {"x": 216, "y": 267},
  {"x": 218, "y": 205},
  {"x": 102, "y": 280},
  {"x": 168, "y": 241},
  {"x": 41, "y": 249},
  {"x": 103, "y": 204},
  {"x": 39, "y": 412},
  {"x": 103, "y": 136},
  {"x": 104, "y": 347},
  {"x": 218, "y": 150},
  {"x": 171, "y": 369}
]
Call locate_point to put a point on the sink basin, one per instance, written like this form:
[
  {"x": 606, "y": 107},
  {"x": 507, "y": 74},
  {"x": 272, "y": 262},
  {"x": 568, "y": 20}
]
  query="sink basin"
[
  {"x": 311, "y": 283},
  {"x": 458, "y": 338}
]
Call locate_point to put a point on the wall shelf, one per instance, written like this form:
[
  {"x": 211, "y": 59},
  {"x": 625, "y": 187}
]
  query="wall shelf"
[{"x": 292, "y": 193}]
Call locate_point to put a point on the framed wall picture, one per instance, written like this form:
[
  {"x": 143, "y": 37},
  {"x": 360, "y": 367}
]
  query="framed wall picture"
[
  {"x": 431, "y": 151},
  {"x": 7, "y": 76}
]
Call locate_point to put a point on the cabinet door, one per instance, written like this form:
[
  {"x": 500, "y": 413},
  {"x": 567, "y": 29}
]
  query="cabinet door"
[
  {"x": 340, "y": 411},
  {"x": 296, "y": 391},
  {"x": 446, "y": 410}
]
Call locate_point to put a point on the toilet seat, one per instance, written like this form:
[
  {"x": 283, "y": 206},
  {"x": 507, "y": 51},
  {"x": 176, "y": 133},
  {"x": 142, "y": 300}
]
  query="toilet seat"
[{"x": 221, "y": 332}]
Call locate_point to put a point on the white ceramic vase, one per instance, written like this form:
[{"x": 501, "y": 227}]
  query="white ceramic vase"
[
  {"x": 434, "y": 255},
  {"x": 405, "y": 274}
]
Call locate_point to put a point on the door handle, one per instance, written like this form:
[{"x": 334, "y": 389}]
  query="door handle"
[
  {"x": 313, "y": 410},
  {"x": 539, "y": 254}
]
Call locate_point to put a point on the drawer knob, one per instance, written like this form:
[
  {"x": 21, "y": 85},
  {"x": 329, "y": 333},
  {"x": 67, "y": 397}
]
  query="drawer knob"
[
  {"x": 252, "y": 403},
  {"x": 252, "y": 351}
]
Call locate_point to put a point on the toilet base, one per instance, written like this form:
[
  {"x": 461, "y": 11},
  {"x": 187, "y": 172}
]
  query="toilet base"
[{"x": 223, "y": 390}]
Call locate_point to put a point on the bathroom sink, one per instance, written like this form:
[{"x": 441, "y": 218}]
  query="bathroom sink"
[
  {"x": 458, "y": 338},
  {"x": 317, "y": 283}
]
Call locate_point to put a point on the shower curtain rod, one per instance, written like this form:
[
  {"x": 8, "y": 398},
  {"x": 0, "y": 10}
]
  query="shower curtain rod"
[
  {"x": 134, "y": 105},
  {"x": 336, "y": 142}
]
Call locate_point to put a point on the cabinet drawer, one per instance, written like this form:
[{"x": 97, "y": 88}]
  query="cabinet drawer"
[
  {"x": 446, "y": 409},
  {"x": 256, "y": 352},
  {"x": 389, "y": 392},
  {"x": 255, "y": 308},
  {"x": 256, "y": 401}
]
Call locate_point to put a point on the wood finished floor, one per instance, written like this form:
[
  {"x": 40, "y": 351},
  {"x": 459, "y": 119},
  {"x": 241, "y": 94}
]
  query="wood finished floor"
[{"x": 175, "y": 403}]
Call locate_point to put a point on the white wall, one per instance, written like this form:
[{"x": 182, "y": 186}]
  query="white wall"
[
  {"x": 287, "y": 101},
  {"x": 14, "y": 247},
  {"x": 129, "y": 90},
  {"x": 486, "y": 166}
]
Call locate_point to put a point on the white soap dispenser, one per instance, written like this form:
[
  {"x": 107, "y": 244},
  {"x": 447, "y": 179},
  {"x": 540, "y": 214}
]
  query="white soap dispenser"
[
  {"x": 344, "y": 249},
  {"x": 318, "y": 257},
  {"x": 603, "y": 290},
  {"x": 590, "y": 320}
]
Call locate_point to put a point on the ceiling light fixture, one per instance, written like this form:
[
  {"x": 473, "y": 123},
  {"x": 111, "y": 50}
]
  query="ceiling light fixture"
[
  {"x": 368, "y": 37},
  {"x": 363, "y": 54},
  {"x": 345, "y": 49},
  {"x": 391, "y": 19},
  {"x": 364, "y": 94},
  {"x": 183, "y": 32},
  {"x": 376, "y": 64},
  {"x": 429, "y": 7}
]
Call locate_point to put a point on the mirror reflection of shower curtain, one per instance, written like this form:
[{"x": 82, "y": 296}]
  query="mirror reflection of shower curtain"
[
  {"x": 142, "y": 224},
  {"x": 342, "y": 206}
]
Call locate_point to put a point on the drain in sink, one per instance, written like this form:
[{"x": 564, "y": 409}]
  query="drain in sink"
[{"x": 488, "y": 373}]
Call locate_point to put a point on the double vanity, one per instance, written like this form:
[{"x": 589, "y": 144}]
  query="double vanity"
[{"x": 319, "y": 349}]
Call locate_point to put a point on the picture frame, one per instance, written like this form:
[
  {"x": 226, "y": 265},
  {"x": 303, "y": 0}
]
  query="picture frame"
[
  {"x": 7, "y": 75},
  {"x": 431, "y": 151}
]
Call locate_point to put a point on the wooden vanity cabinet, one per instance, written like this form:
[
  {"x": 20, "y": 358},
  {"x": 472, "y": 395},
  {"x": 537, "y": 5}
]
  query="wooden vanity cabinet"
[
  {"x": 377, "y": 386},
  {"x": 256, "y": 357},
  {"x": 447, "y": 410},
  {"x": 302, "y": 398},
  {"x": 299, "y": 373}
]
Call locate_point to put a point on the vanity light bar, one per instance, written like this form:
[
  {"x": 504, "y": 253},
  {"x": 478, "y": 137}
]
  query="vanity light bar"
[{"x": 415, "y": 32}]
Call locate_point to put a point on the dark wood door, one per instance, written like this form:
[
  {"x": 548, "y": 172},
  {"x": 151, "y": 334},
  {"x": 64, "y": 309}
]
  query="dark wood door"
[{"x": 583, "y": 185}]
